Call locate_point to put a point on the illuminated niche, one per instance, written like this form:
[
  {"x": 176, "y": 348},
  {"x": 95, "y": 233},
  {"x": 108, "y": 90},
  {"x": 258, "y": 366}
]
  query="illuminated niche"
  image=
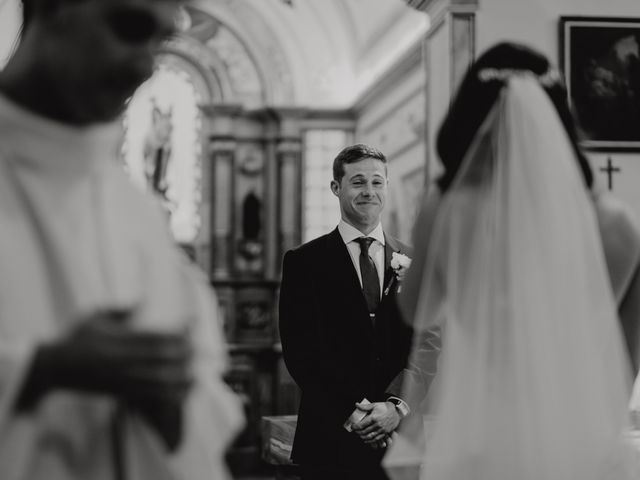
[{"x": 162, "y": 146}]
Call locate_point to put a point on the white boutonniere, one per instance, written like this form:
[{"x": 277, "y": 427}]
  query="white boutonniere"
[{"x": 399, "y": 263}]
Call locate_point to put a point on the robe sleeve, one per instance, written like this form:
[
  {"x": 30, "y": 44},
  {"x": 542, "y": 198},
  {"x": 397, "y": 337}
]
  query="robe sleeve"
[
  {"x": 15, "y": 362},
  {"x": 213, "y": 414},
  {"x": 16, "y": 445},
  {"x": 413, "y": 382}
]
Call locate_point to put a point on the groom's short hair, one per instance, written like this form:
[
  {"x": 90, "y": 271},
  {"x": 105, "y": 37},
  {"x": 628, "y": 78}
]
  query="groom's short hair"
[{"x": 353, "y": 154}]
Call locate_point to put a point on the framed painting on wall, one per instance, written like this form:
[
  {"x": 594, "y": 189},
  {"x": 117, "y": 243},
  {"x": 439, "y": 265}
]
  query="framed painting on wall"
[{"x": 600, "y": 59}]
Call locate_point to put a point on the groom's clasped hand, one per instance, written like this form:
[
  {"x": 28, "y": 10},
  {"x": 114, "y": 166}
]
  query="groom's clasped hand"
[{"x": 378, "y": 424}]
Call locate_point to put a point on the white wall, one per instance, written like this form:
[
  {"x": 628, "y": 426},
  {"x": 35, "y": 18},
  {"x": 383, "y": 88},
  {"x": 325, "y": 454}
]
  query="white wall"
[
  {"x": 535, "y": 22},
  {"x": 393, "y": 120}
]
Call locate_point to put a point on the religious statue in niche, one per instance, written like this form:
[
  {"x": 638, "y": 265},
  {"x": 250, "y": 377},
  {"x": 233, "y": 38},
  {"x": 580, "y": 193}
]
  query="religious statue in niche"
[
  {"x": 157, "y": 150},
  {"x": 251, "y": 244}
]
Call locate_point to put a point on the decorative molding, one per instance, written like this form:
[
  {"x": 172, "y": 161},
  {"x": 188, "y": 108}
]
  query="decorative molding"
[
  {"x": 222, "y": 144},
  {"x": 378, "y": 36},
  {"x": 289, "y": 112},
  {"x": 409, "y": 61},
  {"x": 389, "y": 113},
  {"x": 420, "y": 5},
  {"x": 331, "y": 114},
  {"x": 428, "y": 6},
  {"x": 278, "y": 114},
  {"x": 399, "y": 128},
  {"x": 443, "y": 9},
  {"x": 239, "y": 66},
  {"x": 289, "y": 146},
  {"x": 207, "y": 61},
  {"x": 450, "y": 40},
  {"x": 341, "y": 119},
  {"x": 199, "y": 59},
  {"x": 219, "y": 109},
  {"x": 463, "y": 46},
  {"x": 222, "y": 119},
  {"x": 266, "y": 50},
  {"x": 222, "y": 212},
  {"x": 289, "y": 200}
]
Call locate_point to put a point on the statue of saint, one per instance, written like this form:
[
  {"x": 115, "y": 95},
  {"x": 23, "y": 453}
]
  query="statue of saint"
[{"x": 157, "y": 149}]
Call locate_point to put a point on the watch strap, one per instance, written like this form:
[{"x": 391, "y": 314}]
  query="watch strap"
[{"x": 401, "y": 406}]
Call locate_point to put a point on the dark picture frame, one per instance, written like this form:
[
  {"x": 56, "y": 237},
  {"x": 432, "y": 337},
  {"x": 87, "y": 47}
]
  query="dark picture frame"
[{"x": 600, "y": 60}]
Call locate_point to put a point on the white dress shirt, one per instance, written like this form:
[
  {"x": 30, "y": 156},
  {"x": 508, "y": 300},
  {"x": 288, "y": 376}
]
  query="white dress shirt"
[
  {"x": 376, "y": 252},
  {"x": 349, "y": 235}
]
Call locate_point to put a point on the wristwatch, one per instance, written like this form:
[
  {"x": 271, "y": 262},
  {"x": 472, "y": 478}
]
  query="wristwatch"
[{"x": 401, "y": 406}]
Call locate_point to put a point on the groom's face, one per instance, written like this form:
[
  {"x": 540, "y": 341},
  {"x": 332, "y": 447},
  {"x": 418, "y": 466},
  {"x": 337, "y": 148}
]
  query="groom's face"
[{"x": 362, "y": 192}]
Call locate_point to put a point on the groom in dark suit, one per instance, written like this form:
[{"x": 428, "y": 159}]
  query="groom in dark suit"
[{"x": 342, "y": 336}]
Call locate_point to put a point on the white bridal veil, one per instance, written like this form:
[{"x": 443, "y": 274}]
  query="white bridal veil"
[{"x": 532, "y": 380}]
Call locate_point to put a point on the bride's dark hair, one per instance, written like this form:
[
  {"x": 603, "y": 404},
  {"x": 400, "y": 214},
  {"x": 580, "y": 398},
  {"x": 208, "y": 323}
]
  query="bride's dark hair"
[{"x": 476, "y": 97}]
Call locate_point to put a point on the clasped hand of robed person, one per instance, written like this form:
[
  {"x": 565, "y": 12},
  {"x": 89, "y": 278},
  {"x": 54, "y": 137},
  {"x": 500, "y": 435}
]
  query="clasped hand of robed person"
[{"x": 148, "y": 372}]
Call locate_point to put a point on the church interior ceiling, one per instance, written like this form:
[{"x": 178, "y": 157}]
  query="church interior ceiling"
[
  {"x": 302, "y": 52},
  {"x": 310, "y": 53}
]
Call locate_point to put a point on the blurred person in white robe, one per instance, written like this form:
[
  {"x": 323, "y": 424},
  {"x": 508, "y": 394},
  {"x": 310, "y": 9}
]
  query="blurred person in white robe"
[{"x": 111, "y": 355}]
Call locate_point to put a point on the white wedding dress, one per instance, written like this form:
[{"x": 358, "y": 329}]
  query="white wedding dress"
[{"x": 533, "y": 380}]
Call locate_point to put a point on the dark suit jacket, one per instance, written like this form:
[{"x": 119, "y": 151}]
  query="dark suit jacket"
[{"x": 333, "y": 351}]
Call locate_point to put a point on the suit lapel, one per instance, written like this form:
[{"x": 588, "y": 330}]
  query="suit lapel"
[
  {"x": 390, "y": 246},
  {"x": 342, "y": 268}
]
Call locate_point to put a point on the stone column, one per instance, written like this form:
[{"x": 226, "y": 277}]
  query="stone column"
[
  {"x": 289, "y": 153},
  {"x": 290, "y": 194},
  {"x": 449, "y": 48},
  {"x": 222, "y": 146},
  {"x": 283, "y": 222}
]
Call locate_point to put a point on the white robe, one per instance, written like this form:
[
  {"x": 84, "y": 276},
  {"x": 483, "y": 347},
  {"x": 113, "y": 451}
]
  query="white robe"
[{"x": 76, "y": 237}]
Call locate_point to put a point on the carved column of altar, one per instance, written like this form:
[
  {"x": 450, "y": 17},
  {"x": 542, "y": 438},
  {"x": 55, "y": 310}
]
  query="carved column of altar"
[
  {"x": 288, "y": 225},
  {"x": 222, "y": 147},
  {"x": 255, "y": 158},
  {"x": 449, "y": 48},
  {"x": 289, "y": 202},
  {"x": 289, "y": 162}
]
